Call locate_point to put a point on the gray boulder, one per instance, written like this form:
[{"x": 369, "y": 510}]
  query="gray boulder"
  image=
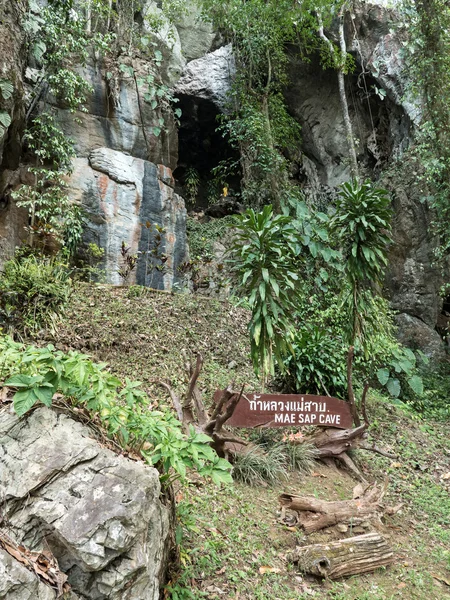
[
  {"x": 98, "y": 512},
  {"x": 197, "y": 37},
  {"x": 209, "y": 77},
  {"x": 416, "y": 334}
]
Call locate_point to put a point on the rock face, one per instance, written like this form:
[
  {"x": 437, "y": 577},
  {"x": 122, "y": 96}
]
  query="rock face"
[
  {"x": 383, "y": 129},
  {"x": 99, "y": 513},
  {"x": 197, "y": 38},
  {"x": 121, "y": 195},
  {"x": 209, "y": 78},
  {"x": 117, "y": 118},
  {"x": 416, "y": 334},
  {"x": 12, "y": 66}
]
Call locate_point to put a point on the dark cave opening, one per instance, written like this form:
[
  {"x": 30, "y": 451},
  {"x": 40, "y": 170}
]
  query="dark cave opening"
[{"x": 201, "y": 148}]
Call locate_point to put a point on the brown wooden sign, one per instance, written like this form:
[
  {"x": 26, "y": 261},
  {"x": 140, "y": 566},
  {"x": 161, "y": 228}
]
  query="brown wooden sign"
[{"x": 287, "y": 410}]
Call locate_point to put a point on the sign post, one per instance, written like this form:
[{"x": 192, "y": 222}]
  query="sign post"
[{"x": 287, "y": 410}]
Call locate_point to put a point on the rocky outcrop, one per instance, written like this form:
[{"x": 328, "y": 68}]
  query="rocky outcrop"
[
  {"x": 209, "y": 78},
  {"x": 125, "y": 198},
  {"x": 99, "y": 513},
  {"x": 119, "y": 119},
  {"x": 12, "y": 110},
  {"x": 417, "y": 335},
  {"x": 197, "y": 37},
  {"x": 12, "y": 66}
]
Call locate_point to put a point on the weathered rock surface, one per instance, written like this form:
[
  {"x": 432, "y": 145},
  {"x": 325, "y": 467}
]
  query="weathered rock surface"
[
  {"x": 416, "y": 334},
  {"x": 196, "y": 36},
  {"x": 12, "y": 66},
  {"x": 209, "y": 77},
  {"x": 121, "y": 194},
  {"x": 117, "y": 118},
  {"x": 18, "y": 583},
  {"x": 99, "y": 513}
]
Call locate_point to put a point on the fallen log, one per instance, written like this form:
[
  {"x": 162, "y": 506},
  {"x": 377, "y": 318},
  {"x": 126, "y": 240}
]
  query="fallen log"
[
  {"x": 352, "y": 556},
  {"x": 316, "y": 514}
]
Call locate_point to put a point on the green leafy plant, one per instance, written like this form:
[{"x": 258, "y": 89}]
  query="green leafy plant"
[
  {"x": 54, "y": 219},
  {"x": 6, "y": 91},
  {"x": 129, "y": 262},
  {"x": 33, "y": 293},
  {"x": 361, "y": 227},
  {"x": 191, "y": 183},
  {"x": 124, "y": 409},
  {"x": 262, "y": 257}
]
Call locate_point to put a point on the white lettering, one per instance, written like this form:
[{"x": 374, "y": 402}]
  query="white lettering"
[{"x": 278, "y": 418}]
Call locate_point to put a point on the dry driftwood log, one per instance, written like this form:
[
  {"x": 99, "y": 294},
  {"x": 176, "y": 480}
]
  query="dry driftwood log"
[
  {"x": 352, "y": 556},
  {"x": 316, "y": 514}
]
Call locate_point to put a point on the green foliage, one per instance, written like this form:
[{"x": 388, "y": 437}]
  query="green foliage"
[
  {"x": 201, "y": 236},
  {"x": 263, "y": 251},
  {"x": 53, "y": 216},
  {"x": 361, "y": 227},
  {"x": 124, "y": 409},
  {"x": 258, "y": 122},
  {"x": 33, "y": 293},
  {"x": 434, "y": 402},
  {"x": 317, "y": 363},
  {"x": 6, "y": 91},
  {"x": 427, "y": 53},
  {"x": 191, "y": 184}
]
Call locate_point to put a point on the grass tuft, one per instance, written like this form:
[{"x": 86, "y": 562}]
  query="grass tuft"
[{"x": 255, "y": 466}]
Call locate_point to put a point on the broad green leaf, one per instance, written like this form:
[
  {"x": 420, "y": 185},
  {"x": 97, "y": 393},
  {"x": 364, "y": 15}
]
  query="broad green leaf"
[
  {"x": 5, "y": 119},
  {"x": 416, "y": 384},
  {"x": 383, "y": 376},
  {"x": 24, "y": 400},
  {"x": 6, "y": 88},
  {"x": 393, "y": 386},
  {"x": 19, "y": 381}
]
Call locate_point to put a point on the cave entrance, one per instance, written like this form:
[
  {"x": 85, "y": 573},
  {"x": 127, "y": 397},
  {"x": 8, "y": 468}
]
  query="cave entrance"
[{"x": 201, "y": 149}]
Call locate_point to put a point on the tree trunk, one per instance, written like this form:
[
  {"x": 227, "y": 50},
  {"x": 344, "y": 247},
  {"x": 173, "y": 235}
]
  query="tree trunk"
[
  {"x": 340, "y": 65},
  {"x": 352, "y": 556}
]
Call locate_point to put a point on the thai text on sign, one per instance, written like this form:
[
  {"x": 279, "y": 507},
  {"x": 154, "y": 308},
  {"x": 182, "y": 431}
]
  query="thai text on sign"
[{"x": 287, "y": 410}]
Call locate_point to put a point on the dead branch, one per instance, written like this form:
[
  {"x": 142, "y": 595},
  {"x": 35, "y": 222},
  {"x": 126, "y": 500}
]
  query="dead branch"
[
  {"x": 192, "y": 410},
  {"x": 377, "y": 450},
  {"x": 175, "y": 399},
  {"x": 332, "y": 442},
  {"x": 352, "y": 556}
]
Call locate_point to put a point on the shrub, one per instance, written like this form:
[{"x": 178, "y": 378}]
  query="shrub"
[
  {"x": 33, "y": 293},
  {"x": 123, "y": 409}
]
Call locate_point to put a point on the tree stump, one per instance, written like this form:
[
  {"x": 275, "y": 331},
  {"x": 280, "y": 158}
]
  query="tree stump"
[{"x": 352, "y": 556}]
